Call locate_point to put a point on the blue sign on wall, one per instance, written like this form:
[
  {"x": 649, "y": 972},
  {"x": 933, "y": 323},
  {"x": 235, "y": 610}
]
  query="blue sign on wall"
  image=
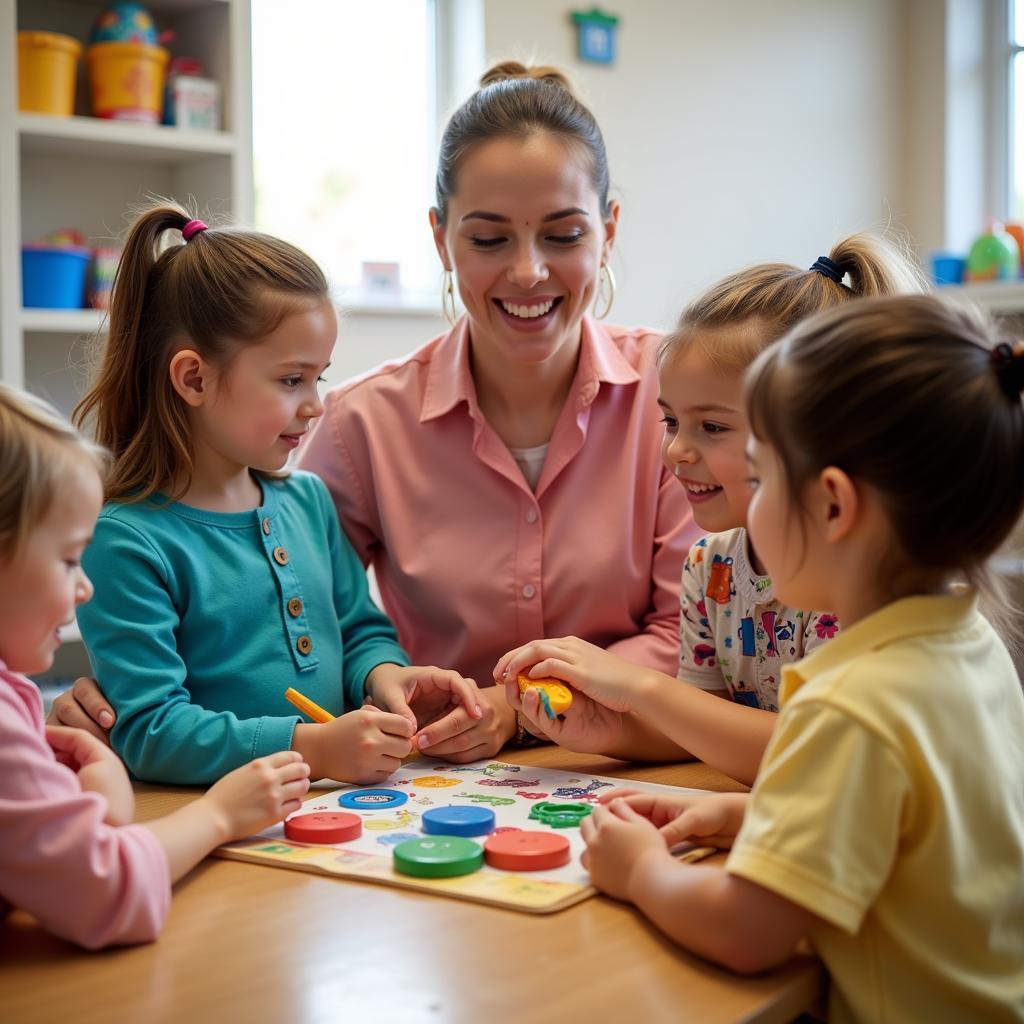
[{"x": 595, "y": 35}]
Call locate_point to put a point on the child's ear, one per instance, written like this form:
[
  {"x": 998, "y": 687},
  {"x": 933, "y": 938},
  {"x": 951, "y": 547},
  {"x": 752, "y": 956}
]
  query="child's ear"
[
  {"x": 837, "y": 504},
  {"x": 190, "y": 376}
]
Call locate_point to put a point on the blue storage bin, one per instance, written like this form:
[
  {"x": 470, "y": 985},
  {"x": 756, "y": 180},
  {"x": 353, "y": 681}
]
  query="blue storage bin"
[{"x": 53, "y": 277}]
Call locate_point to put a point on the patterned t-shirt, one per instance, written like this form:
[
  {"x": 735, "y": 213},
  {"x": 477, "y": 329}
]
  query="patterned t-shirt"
[{"x": 734, "y": 635}]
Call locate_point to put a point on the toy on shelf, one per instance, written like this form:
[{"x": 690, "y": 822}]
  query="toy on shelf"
[
  {"x": 101, "y": 277},
  {"x": 53, "y": 271},
  {"x": 190, "y": 100},
  {"x": 948, "y": 268},
  {"x": 47, "y": 62},
  {"x": 994, "y": 256},
  {"x": 126, "y": 66}
]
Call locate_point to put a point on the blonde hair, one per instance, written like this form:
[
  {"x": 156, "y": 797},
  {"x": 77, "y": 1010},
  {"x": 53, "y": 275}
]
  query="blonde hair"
[
  {"x": 38, "y": 448},
  {"x": 776, "y": 296},
  {"x": 221, "y": 289}
]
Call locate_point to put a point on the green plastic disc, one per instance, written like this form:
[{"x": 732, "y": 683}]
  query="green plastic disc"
[
  {"x": 557, "y": 815},
  {"x": 438, "y": 857}
]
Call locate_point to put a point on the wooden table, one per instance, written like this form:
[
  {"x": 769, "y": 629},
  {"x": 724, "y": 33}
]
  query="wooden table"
[{"x": 246, "y": 943}]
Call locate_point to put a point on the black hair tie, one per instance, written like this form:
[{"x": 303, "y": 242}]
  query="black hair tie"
[
  {"x": 1009, "y": 365},
  {"x": 828, "y": 268}
]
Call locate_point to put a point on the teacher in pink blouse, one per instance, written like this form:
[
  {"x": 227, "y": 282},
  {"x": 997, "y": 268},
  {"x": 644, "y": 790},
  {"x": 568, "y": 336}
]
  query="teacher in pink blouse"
[{"x": 505, "y": 480}]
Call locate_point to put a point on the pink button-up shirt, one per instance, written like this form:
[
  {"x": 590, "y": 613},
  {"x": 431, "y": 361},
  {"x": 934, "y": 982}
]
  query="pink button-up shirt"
[
  {"x": 470, "y": 561},
  {"x": 84, "y": 880}
]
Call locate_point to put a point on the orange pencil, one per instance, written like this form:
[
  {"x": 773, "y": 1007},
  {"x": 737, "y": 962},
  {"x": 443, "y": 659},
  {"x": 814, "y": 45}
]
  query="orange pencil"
[{"x": 307, "y": 707}]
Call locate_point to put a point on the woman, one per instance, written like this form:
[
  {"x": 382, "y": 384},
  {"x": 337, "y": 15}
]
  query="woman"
[{"x": 505, "y": 480}]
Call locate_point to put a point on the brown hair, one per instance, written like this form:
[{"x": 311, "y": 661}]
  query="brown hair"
[
  {"x": 222, "y": 288},
  {"x": 38, "y": 447},
  {"x": 895, "y": 392},
  {"x": 775, "y": 296},
  {"x": 514, "y": 100}
]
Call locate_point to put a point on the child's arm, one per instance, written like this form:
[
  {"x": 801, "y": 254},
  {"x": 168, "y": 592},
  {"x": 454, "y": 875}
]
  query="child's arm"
[
  {"x": 728, "y": 736},
  {"x": 726, "y": 919},
  {"x": 98, "y": 768},
  {"x": 245, "y": 801}
]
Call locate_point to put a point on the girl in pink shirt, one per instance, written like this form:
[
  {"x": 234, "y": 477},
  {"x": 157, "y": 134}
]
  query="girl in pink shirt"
[{"x": 68, "y": 854}]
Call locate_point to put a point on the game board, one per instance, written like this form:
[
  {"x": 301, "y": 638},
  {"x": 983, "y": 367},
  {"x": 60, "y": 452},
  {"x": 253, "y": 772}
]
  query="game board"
[{"x": 509, "y": 789}]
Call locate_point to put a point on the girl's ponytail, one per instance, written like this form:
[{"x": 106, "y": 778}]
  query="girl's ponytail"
[{"x": 878, "y": 265}]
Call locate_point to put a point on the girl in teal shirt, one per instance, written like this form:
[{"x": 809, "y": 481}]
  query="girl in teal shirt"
[{"x": 222, "y": 579}]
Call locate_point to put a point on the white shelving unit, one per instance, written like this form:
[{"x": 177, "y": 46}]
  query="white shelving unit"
[
  {"x": 999, "y": 297},
  {"x": 86, "y": 173}
]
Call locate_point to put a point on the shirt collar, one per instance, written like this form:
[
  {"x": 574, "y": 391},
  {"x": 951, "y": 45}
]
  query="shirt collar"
[
  {"x": 902, "y": 620},
  {"x": 450, "y": 382}
]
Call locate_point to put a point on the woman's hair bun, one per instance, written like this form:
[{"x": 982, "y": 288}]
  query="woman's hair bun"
[{"x": 511, "y": 69}]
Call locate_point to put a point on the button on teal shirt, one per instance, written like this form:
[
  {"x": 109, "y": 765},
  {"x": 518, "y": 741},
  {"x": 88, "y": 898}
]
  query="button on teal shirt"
[{"x": 193, "y": 632}]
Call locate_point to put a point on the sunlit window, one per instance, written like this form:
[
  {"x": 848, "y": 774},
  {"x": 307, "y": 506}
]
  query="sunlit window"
[
  {"x": 344, "y": 130},
  {"x": 1016, "y": 113}
]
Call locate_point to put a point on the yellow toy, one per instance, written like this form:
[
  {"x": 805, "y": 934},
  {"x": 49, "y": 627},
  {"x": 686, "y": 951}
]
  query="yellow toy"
[{"x": 555, "y": 696}]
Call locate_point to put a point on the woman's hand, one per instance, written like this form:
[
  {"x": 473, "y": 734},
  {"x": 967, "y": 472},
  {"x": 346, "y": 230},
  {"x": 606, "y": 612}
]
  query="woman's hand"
[
  {"x": 461, "y": 738},
  {"x": 84, "y": 707},
  {"x": 98, "y": 768},
  {"x": 422, "y": 694},
  {"x": 586, "y": 727}
]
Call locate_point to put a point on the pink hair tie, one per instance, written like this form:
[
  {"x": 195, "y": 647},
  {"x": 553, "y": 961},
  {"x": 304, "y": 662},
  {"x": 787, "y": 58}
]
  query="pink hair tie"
[{"x": 193, "y": 227}]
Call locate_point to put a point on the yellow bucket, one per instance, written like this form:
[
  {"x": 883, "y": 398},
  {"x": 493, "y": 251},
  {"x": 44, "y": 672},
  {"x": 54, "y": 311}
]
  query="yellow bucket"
[
  {"x": 127, "y": 80},
  {"x": 46, "y": 73}
]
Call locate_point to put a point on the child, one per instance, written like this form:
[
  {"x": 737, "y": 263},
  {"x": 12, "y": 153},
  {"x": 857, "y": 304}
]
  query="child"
[
  {"x": 222, "y": 580},
  {"x": 735, "y": 634},
  {"x": 67, "y": 852},
  {"x": 887, "y": 821}
]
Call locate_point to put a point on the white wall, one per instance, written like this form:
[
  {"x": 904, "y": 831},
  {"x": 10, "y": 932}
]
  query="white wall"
[{"x": 737, "y": 132}]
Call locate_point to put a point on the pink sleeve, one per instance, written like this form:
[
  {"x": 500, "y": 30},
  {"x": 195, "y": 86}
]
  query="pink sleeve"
[
  {"x": 657, "y": 646},
  {"x": 82, "y": 879},
  {"x": 325, "y": 454}
]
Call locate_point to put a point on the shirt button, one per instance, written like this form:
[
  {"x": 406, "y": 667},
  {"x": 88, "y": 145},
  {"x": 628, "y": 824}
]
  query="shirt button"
[
  {"x": 294, "y": 607},
  {"x": 280, "y": 556},
  {"x": 266, "y": 527},
  {"x": 304, "y": 645},
  {"x": 529, "y": 590},
  {"x": 531, "y": 515}
]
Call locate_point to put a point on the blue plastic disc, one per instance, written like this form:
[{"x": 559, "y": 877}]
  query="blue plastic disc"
[
  {"x": 458, "y": 821},
  {"x": 372, "y": 799}
]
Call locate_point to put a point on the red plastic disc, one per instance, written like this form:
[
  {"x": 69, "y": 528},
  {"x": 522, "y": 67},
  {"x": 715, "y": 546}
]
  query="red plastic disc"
[
  {"x": 330, "y": 827},
  {"x": 526, "y": 851}
]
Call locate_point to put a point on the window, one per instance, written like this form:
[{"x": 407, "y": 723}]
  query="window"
[
  {"x": 345, "y": 121},
  {"x": 1016, "y": 112}
]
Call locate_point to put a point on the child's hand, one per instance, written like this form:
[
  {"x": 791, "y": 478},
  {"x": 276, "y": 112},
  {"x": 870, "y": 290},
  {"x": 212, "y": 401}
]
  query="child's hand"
[
  {"x": 422, "y": 694},
  {"x": 620, "y": 843},
  {"x": 609, "y": 680},
  {"x": 586, "y": 727},
  {"x": 459, "y": 738},
  {"x": 258, "y": 794},
  {"x": 98, "y": 768},
  {"x": 363, "y": 746},
  {"x": 710, "y": 819}
]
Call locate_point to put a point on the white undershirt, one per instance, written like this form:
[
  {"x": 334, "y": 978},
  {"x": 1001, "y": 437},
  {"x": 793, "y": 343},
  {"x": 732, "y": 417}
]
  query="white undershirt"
[{"x": 531, "y": 462}]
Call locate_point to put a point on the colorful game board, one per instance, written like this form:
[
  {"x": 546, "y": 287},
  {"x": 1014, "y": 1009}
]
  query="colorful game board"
[{"x": 509, "y": 790}]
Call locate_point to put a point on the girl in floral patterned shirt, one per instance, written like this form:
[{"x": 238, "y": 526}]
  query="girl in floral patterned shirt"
[{"x": 735, "y": 637}]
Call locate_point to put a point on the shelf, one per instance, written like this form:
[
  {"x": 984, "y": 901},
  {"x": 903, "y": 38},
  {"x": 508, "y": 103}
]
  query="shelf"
[
  {"x": 62, "y": 321},
  {"x": 995, "y": 296},
  {"x": 98, "y": 139}
]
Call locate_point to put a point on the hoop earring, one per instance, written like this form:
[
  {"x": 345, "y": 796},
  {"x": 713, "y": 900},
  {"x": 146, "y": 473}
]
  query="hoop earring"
[
  {"x": 605, "y": 291},
  {"x": 448, "y": 298}
]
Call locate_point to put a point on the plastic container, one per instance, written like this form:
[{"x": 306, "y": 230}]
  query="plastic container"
[
  {"x": 53, "y": 276},
  {"x": 127, "y": 81},
  {"x": 46, "y": 73},
  {"x": 994, "y": 256},
  {"x": 948, "y": 268}
]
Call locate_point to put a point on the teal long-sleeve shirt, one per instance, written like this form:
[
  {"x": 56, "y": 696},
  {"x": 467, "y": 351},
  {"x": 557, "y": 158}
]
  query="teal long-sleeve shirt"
[{"x": 201, "y": 620}]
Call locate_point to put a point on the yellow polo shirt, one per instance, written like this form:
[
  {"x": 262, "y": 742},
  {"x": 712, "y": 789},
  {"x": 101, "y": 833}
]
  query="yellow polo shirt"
[{"x": 890, "y": 803}]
